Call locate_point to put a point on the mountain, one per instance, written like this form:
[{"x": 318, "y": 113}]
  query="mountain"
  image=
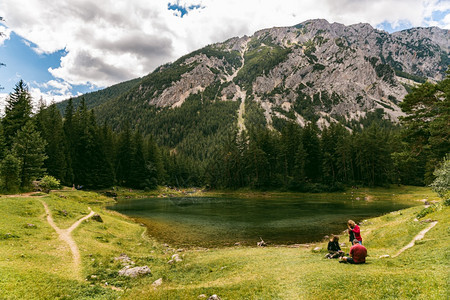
[{"x": 311, "y": 72}]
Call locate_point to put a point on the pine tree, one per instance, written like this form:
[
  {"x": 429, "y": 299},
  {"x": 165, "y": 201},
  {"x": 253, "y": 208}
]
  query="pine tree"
[
  {"x": 313, "y": 159},
  {"x": 2, "y": 143},
  {"x": 29, "y": 147},
  {"x": 49, "y": 123},
  {"x": 124, "y": 157},
  {"x": 138, "y": 172},
  {"x": 69, "y": 142},
  {"x": 17, "y": 112},
  {"x": 10, "y": 173}
]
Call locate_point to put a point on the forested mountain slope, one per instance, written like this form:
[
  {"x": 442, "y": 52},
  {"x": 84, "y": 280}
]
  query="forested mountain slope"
[{"x": 314, "y": 72}]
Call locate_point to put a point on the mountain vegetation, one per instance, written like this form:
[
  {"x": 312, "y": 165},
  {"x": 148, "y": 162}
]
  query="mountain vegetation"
[
  {"x": 198, "y": 144},
  {"x": 321, "y": 105}
]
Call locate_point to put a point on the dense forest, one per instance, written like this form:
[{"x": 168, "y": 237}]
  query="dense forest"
[{"x": 198, "y": 144}]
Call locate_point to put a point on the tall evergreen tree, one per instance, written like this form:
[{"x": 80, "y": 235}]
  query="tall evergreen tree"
[
  {"x": 69, "y": 142},
  {"x": 49, "y": 123},
  {"x": 124, "y": 157},
  {"x": 29, "y": 147},
  {"x": 10, "y": 173},
  {"x": 17, "y": 112},
  {"x": 313, "y": 159}
]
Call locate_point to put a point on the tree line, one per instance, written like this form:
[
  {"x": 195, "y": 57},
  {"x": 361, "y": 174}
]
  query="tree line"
[{"x": 74, "y": 148}]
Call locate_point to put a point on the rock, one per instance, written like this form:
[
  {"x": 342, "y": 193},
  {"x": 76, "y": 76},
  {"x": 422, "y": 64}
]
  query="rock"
[
  {"x": 317, "y": 249},
  {"x": 165, "y": 245},
  {"x": 214, "y": 297},
  {"x": 124, "y": 259},
  {"x": 157, "y": 282},
  {"x": 260, "y": 244},
  {"x": 384, "y": 256},
  {"x": 111, "y": 194},
  {"x": 237, "y": 243},
  {"x": 97, "y": 218},
  {"x": 134, "y": 272},
  {"x": 427, "y": 221},
  {"x": 29, "y": 225},
  {"x": 176, "y": 258}
]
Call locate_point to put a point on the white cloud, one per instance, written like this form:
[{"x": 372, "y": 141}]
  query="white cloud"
[{"x": 115, "y": 40}]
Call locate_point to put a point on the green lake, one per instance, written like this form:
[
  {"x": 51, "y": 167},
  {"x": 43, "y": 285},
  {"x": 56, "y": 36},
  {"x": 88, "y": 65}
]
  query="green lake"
[{"x": 223, "y": 221}]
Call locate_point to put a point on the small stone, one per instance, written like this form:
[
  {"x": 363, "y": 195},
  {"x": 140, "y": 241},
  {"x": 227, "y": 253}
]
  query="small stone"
[
  {"x": 214, "y": 297},
  {"x": 176, "y": 258},
  {"x": 124, "y": 259},
  {"x": 93, "y": 276},
  {"x": 317, "y": 249},
  {"x": 165, "y": 245},
  {"x": 157, "y": 282},
  {"x": 237, "y": 243}
]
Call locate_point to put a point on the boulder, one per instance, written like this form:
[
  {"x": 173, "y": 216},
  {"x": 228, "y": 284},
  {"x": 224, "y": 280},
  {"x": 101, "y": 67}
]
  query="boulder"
[
  {"x": 97, "y": 218},
  {"x": 134, "y": 272}
]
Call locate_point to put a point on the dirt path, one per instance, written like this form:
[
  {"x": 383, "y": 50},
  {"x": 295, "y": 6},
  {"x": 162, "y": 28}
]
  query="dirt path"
[
  {"x": 419, "y": 236},
  {"x": 65, "y": 235}
]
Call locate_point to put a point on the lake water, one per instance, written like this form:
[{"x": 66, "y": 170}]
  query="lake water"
[{"x": 218, "y": 222}]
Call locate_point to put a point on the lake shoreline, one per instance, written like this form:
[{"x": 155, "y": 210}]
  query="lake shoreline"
[{"x": 290, "y": 209}]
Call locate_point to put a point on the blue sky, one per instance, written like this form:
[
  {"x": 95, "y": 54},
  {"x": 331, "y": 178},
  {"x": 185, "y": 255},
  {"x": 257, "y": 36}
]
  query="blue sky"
[{"x": 79, "y": 46}]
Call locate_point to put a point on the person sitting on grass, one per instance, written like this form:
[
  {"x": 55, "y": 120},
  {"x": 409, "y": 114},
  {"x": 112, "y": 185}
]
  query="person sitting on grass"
[
  {"x": 358, "y": 254},
  {"x": 333, "y": 248},
  {"x": 354, "y": 229}
]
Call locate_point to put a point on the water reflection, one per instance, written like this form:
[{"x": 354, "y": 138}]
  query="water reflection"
[{"x": 195, "y": 221}]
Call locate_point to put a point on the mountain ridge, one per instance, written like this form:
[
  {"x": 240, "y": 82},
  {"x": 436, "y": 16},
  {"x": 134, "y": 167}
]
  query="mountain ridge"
[{"x": 315, "y": 71}]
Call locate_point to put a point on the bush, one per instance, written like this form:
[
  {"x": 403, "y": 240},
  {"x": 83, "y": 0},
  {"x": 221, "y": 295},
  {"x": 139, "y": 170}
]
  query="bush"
[
  {"x": 48, "y": 183},
  {"x": 441, "y": 185}
]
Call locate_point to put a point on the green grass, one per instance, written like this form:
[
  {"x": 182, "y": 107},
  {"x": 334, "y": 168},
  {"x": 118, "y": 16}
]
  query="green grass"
[{"x": 35, "y": 264}]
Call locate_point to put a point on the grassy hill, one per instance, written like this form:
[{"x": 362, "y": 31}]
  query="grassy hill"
[{"x": 35, "y": 264}]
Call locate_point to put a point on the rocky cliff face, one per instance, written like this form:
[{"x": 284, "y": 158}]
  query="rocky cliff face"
[{"x": 312, "y": 72}]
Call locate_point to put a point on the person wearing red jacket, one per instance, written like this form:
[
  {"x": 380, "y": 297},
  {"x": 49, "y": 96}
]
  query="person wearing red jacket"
[
  {"x": 353, "y": 228},
  {"x": 358, "y": 254}
]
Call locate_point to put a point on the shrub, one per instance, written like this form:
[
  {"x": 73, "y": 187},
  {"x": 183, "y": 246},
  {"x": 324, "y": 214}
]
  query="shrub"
[{"x": 48, "y": 183}]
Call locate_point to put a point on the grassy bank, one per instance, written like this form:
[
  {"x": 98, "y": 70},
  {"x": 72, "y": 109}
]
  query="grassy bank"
[{"x": 35, "y": 264}]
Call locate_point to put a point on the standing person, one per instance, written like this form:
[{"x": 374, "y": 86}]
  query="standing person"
[
  {"x": 355, "y": 230},
  {"x": 333, "y": 248},
  {"x": 358, "y": 254}
]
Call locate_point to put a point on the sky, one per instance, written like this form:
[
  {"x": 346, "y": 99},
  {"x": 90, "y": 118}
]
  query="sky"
[{"x": 68, "y": 47}]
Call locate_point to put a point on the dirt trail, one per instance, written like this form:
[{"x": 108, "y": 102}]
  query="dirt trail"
[
  {"x": 419, "y": 236},
  {"x": 65, "y": 235}
]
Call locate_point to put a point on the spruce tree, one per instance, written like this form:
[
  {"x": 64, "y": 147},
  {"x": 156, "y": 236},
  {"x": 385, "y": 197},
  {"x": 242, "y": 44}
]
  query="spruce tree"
[
  {"x": 69, "y": 142},
  {"x": 17, "y": 112},
  {"x": 10, "y": 173},
  {"x": 29, "y": 147},
  {"x": 49, "y": 123}
]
